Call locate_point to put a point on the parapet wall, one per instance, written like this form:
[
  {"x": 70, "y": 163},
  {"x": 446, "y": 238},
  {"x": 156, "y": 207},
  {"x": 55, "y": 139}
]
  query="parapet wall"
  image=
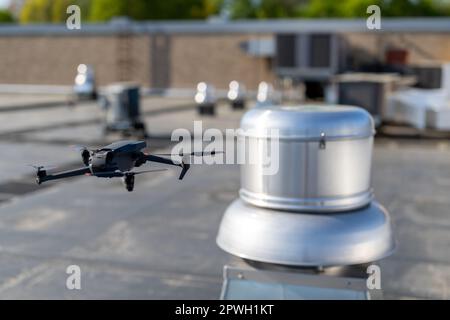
[{"x": 174, "y": 57}]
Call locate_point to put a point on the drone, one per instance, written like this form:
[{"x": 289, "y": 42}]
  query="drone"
[{"x": 117, "y": 160}]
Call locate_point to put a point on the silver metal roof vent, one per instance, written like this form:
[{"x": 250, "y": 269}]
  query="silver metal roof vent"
[
  {"x": 324, "y": 158},
  {"x": 316, "y": 209},
  {"x": 304, "y": 239}
]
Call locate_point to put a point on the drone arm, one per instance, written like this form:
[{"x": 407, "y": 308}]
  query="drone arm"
[
  {"x": 64, "y": 174},
  {"x": 152, "y": 158},
  {"x": 185, "y": 166}
]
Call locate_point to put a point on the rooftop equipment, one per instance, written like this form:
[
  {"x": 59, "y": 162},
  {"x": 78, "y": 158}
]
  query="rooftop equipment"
[
  {"x": 367, "y": 90},
  {"x": 324, "y": 158},
  {"x": 309, "y": 56},
  {"x": 429, "y": 75},
  {"x": 265, "y": 95},
  {"x": 236, "y": 95},
  {"x": 84, "y": 87},
  {"x": 423, "y": 108},
  {"x": 314, "y": 213},
  {"x": 206, "y": 99},
  {"x": 122, "y": 105}
]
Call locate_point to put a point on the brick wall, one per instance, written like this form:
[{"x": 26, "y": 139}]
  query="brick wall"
[
  {"x": 176, "y": 60},
  {"x": 216, "y": 59},
  {"x": 422, "y": 47},
  {"x": 53, "y": 60}
]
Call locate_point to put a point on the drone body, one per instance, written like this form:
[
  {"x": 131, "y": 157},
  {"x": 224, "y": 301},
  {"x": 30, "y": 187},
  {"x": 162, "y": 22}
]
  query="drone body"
[{"x": 116, "y": 160}]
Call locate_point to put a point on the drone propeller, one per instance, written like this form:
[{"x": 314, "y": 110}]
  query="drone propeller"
[
  {"x": 80, "y": 148},
  {"x": 146, "y": 171},
  {"x": 123, "y": 174},
  {"x": 192, "y": 154},
  {"x": 40, "y": 168}
]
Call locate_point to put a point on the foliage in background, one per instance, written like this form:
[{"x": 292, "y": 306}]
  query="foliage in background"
[
  {"x": 244, "y": 9},
  {"x": 335, "y": 8},
  {"x": 34, "y": 11},
  {"x": 6, "y": 16},
  {"x": 104, "y": 10}
]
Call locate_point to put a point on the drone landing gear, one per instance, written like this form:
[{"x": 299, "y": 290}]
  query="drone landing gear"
[{"x": 128, "y": 180}]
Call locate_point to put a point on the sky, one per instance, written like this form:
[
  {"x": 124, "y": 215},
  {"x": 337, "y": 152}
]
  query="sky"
[{"x": 4, "y": 3}]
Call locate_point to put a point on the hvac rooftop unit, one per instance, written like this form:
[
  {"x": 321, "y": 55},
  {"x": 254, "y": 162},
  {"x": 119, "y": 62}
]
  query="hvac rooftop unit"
[
  {"x": 366, "y": 90},
  {"x": 429, "y": 76},
  {"x": 309, "y": 56}
]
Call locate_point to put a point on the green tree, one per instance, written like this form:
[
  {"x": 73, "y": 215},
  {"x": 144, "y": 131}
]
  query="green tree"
[
  {"x": 338, "y": 9},
  {"x": 104, "y": 10},
  {"x": 6, "y": 16},
  {"x": 415, "y": 8},
  {"x": 206, "y": 8},
  {"x": 324, "y": 8},
  {"x": 243, "y": 9},
  {"x": 34, "y": 11},
  {"x": 266, "y": 8},
  {"x": 345, "y": 9}
]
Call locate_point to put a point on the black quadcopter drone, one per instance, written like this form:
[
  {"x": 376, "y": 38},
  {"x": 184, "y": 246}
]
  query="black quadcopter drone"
[{"x": 117, "y": 160}]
